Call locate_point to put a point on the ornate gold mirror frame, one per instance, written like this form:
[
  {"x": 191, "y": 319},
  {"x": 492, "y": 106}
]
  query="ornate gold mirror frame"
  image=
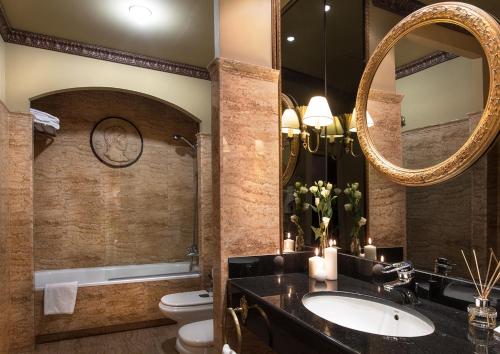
[
  {"x": 487, "y": 31},
  {"x": 294, "y": 145}
]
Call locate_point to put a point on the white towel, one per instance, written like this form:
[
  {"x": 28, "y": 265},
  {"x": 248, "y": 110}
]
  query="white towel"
[
  {"x": 59, "y": 298},
  {"x": 45, "y": 118},
  {"x": 226, "y": 349}
]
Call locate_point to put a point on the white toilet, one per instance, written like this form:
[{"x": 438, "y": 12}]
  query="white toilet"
[{"x": 193, "y": 311}]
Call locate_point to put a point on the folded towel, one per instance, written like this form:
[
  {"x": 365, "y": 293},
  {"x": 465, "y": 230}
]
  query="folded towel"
[
  {"x": 45, "y": 118},
  {"x": 59, "y": 298},
  {"x": 226, "y": 349}
]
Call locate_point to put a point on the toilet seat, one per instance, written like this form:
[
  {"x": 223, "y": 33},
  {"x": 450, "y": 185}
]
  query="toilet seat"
[
  {"x": 190, "y": 298},
  {"x": 187, "y": 307},
  {"x": 196, "y": 338}
]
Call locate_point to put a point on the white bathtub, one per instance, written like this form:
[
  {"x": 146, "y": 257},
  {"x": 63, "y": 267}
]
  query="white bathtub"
[{"x": 116, "y": 274}]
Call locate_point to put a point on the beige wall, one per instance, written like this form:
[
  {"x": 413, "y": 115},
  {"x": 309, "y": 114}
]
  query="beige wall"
[
  {"x": 2, "y": 69},
  {"x": 88, "y": 214},
  {"x": 32, "y": 72},
  {"x": 442, "y": 93},
  {"x": 243, "y": 31}
]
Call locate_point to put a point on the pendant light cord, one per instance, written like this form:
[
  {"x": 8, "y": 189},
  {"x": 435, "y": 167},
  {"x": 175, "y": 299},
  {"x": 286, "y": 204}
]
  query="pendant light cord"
[{"x": 326, "y": 86}]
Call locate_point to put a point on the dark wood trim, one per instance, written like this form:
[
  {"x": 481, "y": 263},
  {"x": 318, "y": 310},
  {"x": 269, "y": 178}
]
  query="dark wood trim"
[
  {"x": 276, "y": 33},
  {"x": 400, "y": 7},
  {"x": 423, "y": 63},
  {"x": 37, "y": 40},
  {"x": 80, "y": 333}
]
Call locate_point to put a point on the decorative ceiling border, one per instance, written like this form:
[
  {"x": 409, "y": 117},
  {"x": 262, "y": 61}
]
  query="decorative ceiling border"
[
  {"x": 423, "y": 63},
  {"x": 37, "y": 40}
]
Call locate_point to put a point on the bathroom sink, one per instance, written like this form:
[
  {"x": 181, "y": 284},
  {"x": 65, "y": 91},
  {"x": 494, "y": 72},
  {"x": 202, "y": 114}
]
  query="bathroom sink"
[{"x": 368, "y": 314}]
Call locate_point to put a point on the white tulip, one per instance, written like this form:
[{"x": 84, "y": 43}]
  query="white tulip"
[
  {"x": 329, "y": 186},
  {"x": 357, "y": 195},
  {"x": 293, "y": 218},
  {"x": 303, "y": 190},
  {"x": 348, "y": 207},
  {"x": 337, "y": 191},
  {"x": 320, "y": 183},
  {"x": 355, "y": 186},
  {"x": 316, "y": 201},
  {"x": 313, "y": 189},
  {"x": 326, "y": 221},
  {"x": 325, "y": 193},
  {"x": 362, "y": 221}
]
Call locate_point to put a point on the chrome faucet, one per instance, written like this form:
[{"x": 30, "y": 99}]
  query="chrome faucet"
[{"x": 404, "y": 283}]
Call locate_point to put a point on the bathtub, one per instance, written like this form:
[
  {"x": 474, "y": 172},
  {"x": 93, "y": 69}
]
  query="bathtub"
[{"x": 116, "y": 274}]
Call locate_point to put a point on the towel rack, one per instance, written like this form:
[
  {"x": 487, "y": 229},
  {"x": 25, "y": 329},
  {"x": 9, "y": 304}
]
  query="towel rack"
[{"x": 243, "y": 310}]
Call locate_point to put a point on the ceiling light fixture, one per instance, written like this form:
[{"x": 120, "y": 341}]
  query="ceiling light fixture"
[
  {"x": 290, "y": 38},
  {"x": 140, "y": 13}
]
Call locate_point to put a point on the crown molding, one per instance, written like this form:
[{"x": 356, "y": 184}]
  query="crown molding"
[
  {"x": 423, "y": 63},
  {"x": 37, "y": 40}
]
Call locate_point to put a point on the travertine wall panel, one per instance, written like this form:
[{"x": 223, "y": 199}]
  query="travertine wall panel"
[
  {"x": 206, "y": 238},
  {"x": 100, "y": 306},
  {"x": 4, "y": 229},
  {"x": 88, "y": 214},
  {"x": 386, "y": 199},
  {"x": 454, "y": 215},
  {"x": 246, "y": 167},
  {"x": 20, "y": 239}
]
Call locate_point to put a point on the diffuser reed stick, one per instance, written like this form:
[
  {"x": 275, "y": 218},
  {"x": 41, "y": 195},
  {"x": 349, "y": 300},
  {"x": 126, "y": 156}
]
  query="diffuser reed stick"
[{"x": 481, "y": 314}]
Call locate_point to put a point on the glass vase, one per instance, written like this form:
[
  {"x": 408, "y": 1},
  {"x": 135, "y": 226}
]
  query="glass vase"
[{"x": 480, "y": 314}]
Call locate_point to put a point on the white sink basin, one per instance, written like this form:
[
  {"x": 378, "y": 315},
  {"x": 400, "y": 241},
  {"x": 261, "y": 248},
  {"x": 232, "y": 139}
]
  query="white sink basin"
[{"x": 368, "y": 314}]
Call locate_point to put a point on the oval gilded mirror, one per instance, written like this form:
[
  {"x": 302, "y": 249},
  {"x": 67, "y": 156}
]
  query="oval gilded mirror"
[
  {"x": 428, "y": 101},
  {"x": 290, "y": 138}
]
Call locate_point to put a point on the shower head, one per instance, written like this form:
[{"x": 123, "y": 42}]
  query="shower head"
[{"x": 180, "y": 137}]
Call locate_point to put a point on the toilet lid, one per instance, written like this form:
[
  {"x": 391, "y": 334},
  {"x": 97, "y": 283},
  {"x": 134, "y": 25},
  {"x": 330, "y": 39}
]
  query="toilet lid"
[
  {"x": 197, "y": 334},
  {"x": 190, "y": 298}
]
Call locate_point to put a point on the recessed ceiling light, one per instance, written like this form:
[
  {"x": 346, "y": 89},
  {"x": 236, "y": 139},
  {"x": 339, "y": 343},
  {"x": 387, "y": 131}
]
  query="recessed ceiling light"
[
  {"x": 290, "y": 38},
  {"x": 139, "y": 13},
  {"x": 327, "y": 8}
]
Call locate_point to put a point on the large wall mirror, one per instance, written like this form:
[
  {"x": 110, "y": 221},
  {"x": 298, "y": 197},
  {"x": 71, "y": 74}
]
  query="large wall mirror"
[
  {"x": 321, "y": 42},
  {"x": 426, "y": 99},
  {"x": 430, "y": 92}
]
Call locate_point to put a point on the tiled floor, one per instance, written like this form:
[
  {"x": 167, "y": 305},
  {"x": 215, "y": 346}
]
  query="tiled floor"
[{"x": 157, "y": 340}]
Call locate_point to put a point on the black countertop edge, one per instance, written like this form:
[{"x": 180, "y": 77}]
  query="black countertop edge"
[{"x": 281, "y": 297}]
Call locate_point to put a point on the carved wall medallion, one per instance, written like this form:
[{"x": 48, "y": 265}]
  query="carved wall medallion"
[
  {"x": 487, "y": 31},
  {"x": 116, "y": 142}
]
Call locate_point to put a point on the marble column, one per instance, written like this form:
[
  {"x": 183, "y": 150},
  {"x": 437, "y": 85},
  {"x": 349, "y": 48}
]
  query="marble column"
[
  {"x": 4, "y": 229},
  {"x": 246, "y": 168},
  {"x": 386, "y": 200},
  {"x": 20, "y": 238},
  {"x": 206, "y": 239}
]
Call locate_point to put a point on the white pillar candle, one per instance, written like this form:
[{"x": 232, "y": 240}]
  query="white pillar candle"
[
  {"x": 331, "y": 261},
  {"x": 370, "y": 250},
  {"x": 315, "y": 263},
  {"x": 289, "y": 244}
]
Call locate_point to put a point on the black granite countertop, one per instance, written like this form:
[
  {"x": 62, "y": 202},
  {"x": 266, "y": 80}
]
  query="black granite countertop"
[{"x": 283, "y": 293}]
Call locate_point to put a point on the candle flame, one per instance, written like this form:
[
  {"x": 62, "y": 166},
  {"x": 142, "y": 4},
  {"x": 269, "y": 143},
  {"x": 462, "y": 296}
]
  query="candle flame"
[
  {"x": 288, "y": 235},
  {"x": 369, "y": 240},
  {"x": 278, "y": 251},
  {"x": 382, "y": 259},
  {"x": 335, "y": 242},
  {"x": 316, "y": 251},
  {"x": 331, "y": 243}
]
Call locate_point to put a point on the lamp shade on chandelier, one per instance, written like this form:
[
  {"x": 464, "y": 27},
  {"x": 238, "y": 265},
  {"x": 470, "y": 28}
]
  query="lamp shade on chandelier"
[{"x": 318, "y": 113}]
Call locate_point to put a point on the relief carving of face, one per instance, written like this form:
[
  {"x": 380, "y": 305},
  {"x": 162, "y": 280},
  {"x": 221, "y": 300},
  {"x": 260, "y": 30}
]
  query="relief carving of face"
[{"x": 116, "y": 141}]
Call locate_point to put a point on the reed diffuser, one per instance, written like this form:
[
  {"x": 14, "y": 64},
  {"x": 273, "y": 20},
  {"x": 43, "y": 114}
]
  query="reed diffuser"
[{"x": 481, "y": 314}]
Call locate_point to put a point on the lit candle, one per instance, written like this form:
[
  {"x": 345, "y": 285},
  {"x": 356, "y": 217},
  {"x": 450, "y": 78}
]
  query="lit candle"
[
  {"x": 316, "y": 263},
  {"x": 382, "y": 259},
  {"x": 289, "y": 244},
  {"x": 370, "y": 250},
  {"x": 331, "y": 261}
]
